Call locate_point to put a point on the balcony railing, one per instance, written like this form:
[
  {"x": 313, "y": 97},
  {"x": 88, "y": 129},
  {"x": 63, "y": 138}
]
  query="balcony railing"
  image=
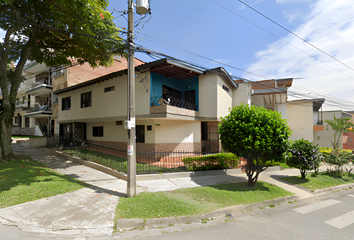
[
  {"x": 42, "y": 108},
  {"x": 159, "y": 100}
]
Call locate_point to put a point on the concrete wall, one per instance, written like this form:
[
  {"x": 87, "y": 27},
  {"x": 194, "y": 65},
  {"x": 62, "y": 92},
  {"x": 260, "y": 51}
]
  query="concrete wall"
[
  {"x": 105, "y": 105},
  {"x": 325, "y": 138},
  {"x": 224, "y": 98},
  {"x": 208, "y": 96},
  {"x": 241, "y": 94},
  {"x": 300, "y": 120}
]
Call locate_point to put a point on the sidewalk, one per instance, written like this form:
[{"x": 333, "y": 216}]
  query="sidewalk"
[{"x": 91, "y": 210}]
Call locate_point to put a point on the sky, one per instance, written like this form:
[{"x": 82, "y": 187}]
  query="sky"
[
  {"x": 227, "y": 33},
  {"x": 231, "y": 33}
]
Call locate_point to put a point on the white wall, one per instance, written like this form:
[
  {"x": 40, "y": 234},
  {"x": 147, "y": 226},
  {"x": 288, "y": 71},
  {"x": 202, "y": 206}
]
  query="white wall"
[
  {"x": 170, "y": 131},
  {"x": 208, "y": 95},
  {"x": 224, "y": 98},
  {"x": 241, "y": 94},
  {"x": 105, "y": 105},
  {"x": 300, "y": 120},
  {"x": 325, "y": 138}
]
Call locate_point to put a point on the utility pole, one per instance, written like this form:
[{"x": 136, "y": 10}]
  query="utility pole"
[{"x": 131, "y": 148}]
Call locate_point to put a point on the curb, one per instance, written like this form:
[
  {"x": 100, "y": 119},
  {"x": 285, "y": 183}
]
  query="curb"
[
  {"x": 129, "y": 224},
  {"x": 335, "y": 188}
]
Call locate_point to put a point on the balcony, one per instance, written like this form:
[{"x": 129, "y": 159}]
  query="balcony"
[
  {"x": 171, "y": 105},
  {"x": 318, "y": 126},
  {"x": 39, "y": 111},
  {"x": 40, "y": 85}
]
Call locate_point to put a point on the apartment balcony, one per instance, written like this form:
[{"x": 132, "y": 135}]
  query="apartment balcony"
[
  {"x": 173, "y": 106},
  {"x": 39, "y": 88},
  {"x": 39, "y": 111},
  {"x": 318, "y": 126}
]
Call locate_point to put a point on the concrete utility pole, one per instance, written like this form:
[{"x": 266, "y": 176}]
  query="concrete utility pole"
[{"x": 131, "y": 150}]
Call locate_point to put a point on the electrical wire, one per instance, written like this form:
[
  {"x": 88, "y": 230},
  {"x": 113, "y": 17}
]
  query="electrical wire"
[
  {"x": 316, "y": 59},
  {"x": 312, "y": 45}
]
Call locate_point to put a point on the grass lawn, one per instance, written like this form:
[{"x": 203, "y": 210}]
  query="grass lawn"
[
  {"x": 23, "y": 179},
  {"x": 197, "y": 200},
  {"x": 321, "y": 181}
]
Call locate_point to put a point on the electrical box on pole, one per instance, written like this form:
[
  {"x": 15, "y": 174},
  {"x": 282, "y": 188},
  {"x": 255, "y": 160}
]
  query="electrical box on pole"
[{"x": 142, "y": 7}]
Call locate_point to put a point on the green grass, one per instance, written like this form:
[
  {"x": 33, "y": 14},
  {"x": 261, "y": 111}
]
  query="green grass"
[
  {"x": 283, "y": 165},
  {"x": 23, "y": 179},
  {"x": 321, "y": 181},
  {"x": 26, "y": 136},
  {"x": 197, "y": 200},
  {"x": 116, "y": 163}
]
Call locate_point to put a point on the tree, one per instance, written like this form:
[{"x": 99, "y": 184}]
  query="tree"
[
  {"x": 304, "y": 155},
  {"x": 258, "y": 135},
  {"x": 54, "y": 33},
  {"x": 339, "y": 126}
]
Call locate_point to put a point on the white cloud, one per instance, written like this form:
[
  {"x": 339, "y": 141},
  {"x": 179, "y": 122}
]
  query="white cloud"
[
  {"x": 2, "y": 34},
  {"x": 329, "y": 26}
]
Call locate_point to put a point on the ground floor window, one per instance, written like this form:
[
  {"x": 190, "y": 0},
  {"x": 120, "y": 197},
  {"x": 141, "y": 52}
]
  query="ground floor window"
[{"x": 97, "y": 131}]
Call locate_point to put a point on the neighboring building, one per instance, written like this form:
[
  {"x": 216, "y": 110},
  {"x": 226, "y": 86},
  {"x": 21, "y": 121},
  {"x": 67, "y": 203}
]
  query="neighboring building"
[
  {"x": 305, "y": 118},
  {"x": 36, "y": 110},
  {"x": 348, "y": 137},
  {"x": 325, "y": 138},
  {"x": 178, "y": 107}
]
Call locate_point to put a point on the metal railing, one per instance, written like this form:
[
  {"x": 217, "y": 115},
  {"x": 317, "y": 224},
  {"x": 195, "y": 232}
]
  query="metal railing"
[
  {"x": 116, "y": 159},
  {"x": 176, "y": 102},
  {"x": 44, "y": 107}
]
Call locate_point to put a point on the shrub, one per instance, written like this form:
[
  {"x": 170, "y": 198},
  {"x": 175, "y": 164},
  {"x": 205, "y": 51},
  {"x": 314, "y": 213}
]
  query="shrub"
[
  {"x": 256, "y": 134},
  {"x": 304, "y": 155},
  {"x": 337, "y": 159},
  {"x": 211, "y": 162}
]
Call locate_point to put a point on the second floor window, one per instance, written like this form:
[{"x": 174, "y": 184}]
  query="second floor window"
[
  {"x": 86, "y": 99},
  {"x": 66, "y": 103}
]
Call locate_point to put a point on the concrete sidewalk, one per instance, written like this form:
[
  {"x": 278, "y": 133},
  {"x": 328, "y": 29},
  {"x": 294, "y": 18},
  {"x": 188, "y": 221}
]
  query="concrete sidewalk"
[{"x": 91, "y": 210}]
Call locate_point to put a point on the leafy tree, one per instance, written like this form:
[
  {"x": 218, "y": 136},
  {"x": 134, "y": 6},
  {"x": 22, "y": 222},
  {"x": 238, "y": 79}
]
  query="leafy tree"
[
  {"x": 339, "y": 126},
  {"x": 54, "y": 33},
  {"x": 337, "y": 158},
  {"x": 304, "y": 155},
  {"x": 258, "y": 135}
]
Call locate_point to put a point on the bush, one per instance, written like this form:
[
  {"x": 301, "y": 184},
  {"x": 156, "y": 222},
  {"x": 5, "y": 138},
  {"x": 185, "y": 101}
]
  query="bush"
[
  {"x": 211, "y": 162},
  {"x": 256, "y": 134},
  {"x": 337, "y": 159},
  {"x": 304, "y": 155}
]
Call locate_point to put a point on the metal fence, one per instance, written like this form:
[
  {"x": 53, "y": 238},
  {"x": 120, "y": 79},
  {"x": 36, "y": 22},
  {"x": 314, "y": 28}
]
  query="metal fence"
[{"x": 116, "y": 159}]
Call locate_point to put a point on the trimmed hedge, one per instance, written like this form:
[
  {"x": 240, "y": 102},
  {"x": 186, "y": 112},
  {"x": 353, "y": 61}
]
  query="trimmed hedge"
[{"x": 211, "y": 162}]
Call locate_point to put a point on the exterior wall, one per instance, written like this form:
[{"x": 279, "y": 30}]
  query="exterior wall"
[
  {"x": 111, "y": 105},
  {"x": 208, "y": 96},
  {"x": 300, "y": 120},
  {"x": 241, "y": 94},
  {"x": 166, "y": 135},
  {"x": 224, "y": 98},
  {"x": 257, "y": 100},
  {"x": 283, "y": 109},
  {"x": 325, "y": 138}
]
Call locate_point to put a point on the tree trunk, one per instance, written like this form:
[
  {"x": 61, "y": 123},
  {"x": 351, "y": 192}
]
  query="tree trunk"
[
  {"x": 252, "y": 169},
  {"x": 5, "y": 139},
  {"x": 303, "y": 174}
]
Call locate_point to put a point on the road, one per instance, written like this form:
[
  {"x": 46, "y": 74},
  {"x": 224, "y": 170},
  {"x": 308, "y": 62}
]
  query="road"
[{"x": 329, "y": 216}]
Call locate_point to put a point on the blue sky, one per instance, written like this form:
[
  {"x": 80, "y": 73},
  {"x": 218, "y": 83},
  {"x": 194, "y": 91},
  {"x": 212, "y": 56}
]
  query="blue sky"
[
  {"x": 208, "y": 29},
  {"x": 205, "y": 28}
]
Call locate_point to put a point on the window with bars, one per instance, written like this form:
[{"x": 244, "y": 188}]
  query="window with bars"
[
  {"x": 86, "y": 99},
  {"x": 66, "y": 103}
]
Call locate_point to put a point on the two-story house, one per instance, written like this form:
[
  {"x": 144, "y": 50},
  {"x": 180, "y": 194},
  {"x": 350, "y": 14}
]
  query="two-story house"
[{"x": 178, "y": 107}]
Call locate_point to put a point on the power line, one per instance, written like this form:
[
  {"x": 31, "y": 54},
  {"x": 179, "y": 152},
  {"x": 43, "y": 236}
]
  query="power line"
[
  {"x": 312, "y": 45},
  {"x": 284, "y": 40}
]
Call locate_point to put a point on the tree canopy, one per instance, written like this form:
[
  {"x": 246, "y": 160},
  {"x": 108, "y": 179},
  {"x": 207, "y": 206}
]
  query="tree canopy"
[
  {"x": 258, "y": 135},
  {"x": 54, "y": 33}
]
